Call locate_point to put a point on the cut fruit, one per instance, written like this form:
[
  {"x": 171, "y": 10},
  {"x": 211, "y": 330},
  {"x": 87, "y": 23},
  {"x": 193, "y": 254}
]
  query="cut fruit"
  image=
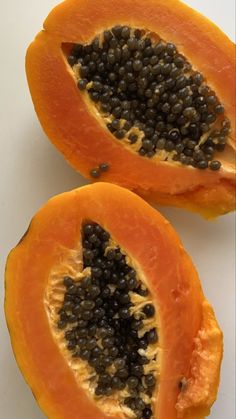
[
  {"x": 147, "y": 104},
  {"x": 106, "y": 313}
]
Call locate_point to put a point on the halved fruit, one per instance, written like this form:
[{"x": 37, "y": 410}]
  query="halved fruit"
[
  {"x": 142, "y": 96},
  {"x": 106, "y": 312}
]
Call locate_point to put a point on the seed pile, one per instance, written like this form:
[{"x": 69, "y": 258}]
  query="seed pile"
[
  {"x": 103, "y": 327},
  {"x": 153, "y": 97}
]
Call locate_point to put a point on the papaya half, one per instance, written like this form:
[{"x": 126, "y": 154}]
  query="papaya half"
[
  {"x": 142, "y": 96},
  {"x": 106, "y": 313}
]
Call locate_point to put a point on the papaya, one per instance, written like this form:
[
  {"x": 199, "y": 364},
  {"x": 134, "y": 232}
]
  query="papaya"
[
  {"x": 142, "y": 96},
  {"x": 106, "y": 313}
]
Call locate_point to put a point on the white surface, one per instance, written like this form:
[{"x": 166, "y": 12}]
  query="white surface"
[{"x": 32, "y": 171}]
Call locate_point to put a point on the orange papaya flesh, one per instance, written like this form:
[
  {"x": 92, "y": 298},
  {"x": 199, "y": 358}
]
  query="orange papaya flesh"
[
  {"x": 56, "y": 257},
  {"x": 77, "y": 125}
]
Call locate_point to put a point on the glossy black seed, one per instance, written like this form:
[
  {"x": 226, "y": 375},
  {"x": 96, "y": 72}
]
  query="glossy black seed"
[
  {"x": 88, "y": 254},
  {"x": 100, "y": 391},
  {"x": 177, "y": 108},
  {"x": 95, "y": 173},
  {"x": 211, "y": 100},
  {"x": 133, "y": 138},
  {"x": 179, "y": 147},
  {"x": 210, "y": 118},
  {"x": 105, "y": 293},
  {"x": 188, "y": 152},
  {"x": 179, "y": 61},
  {"x": 102, "y": 332},
  {"x": 98, "y": 313},
  {"x": 132, "y": 382},
  {"x": 204, "y": 127},
  {"x": 96, "y": 272},
  {"x": 189, "y": 113},
  {"x": 124, "y": 313},
  {"x": 72, "y": 289},
  {"x": 149, "y": 310},
  {"x": 139, "y": 404},
  {"x": 87, "y": 305},
  {"x": 152, "y": 336},
  {"x": 125, "y": 33},
  {"x": 169, "y": 145},
  {"x": 202, "y": 164},
  {"x": 136, "y": 324},
  {"x": 132, "y": 43},
  {"x": 170, "y": 48},
  {"x": 80, "y": 292},
  {"x": 104, "y": 167},
  {"x": 82, "y": 323},
  {"x": 147, "y": 413},
  {"x": 68, "y": 281},
  {"x": 188, "y": 101},
  {"x": 68, "y": 305},
  {"x": 94, "y": 291},
  {"x": 121, "y": 283},
  {"x": 181, "y": 81},
  {"x": 91, "y": 343},
  {"x": 182, "y": 120},
  {"x": 150, "y": 380},
  {"x": 113, "y": 352},
  {"x": 161, "y": 143},
  {"x": 72, "y": 318},
  {"x": 109, "y": 126},
  {"x": 198, "y": 155},
  {"x": 71, "y": 345},
  {"x": 148, "y": 51},
  {"x": 105, "y": 378},
  {"x": 137, "y": 370},
  {"x": 117, "y": 30},
  {"x": 72, "y": 60},
  {"x": 132, "y": 283},
  {"x": 61, "y": 324},
  {"x": 166, "y": 107},
  {"x": 117, "y": 383},
  {"x": 159, "y": 48},
  {"x": 215, "y": 165},
  {"x": 124, "y": 299},
  {"x": 174, "y": 135},
  {"x": 122, "y": 373},
  {"x": 147, "y": 145},
  {"x": 82, "y": 83},
  {"x": 119, "y": 363},
  {"x": 184, "y": 159},
  {"x": 117, "y": 111},
  {"x": 197, "y": 78},
  {"x": 209, "y": 150},
  {"x": 82, "y": 333}
]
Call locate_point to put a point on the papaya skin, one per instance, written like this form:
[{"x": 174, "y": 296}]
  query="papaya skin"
[
  {"x": 190, "y": 338},
  {"x": 81, "y": 136}
]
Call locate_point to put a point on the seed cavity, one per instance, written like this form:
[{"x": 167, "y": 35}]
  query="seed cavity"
[
  {"x": 151, "y": 98},
  {"x": 107, "y": 321}
]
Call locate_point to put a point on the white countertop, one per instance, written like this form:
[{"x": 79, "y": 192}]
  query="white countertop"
[{"x": 32, "y": 171}]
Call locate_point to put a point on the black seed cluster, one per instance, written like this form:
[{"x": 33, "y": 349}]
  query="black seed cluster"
[
  {"x": 97, "y": 171},
  {"x": 151, "y": 86},
  {"x": 100, "y": 328}
]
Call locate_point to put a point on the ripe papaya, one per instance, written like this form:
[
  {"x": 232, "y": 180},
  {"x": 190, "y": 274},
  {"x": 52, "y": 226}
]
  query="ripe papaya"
[
  {"x": 140, "y": 96},
  {"x": 106, "y": 312}
]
